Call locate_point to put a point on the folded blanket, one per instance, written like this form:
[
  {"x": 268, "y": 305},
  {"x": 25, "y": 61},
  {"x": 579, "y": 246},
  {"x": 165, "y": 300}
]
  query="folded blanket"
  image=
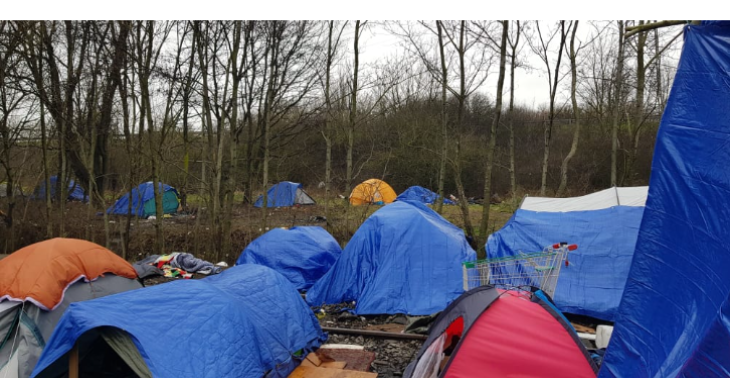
[{"x": 190, "y": 263}]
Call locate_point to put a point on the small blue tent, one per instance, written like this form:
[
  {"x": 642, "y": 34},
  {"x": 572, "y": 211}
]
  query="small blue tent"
[
  {"x": 285, "y": 194},
  {"x": 143, "y": 201},
  {"x": 301, "y": 254},
  {"x": 593, "y": 282},
  {"x": 75, "y": 191},
  {"x": 405, "y": 258},
  {"x": 421, "y": 194},
  {"x": 245, "y": 322},
  {"x": 673, "y": 320}
]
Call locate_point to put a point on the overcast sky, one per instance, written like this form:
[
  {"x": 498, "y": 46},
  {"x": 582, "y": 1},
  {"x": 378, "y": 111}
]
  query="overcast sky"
[{"x": 531, "y": 88}]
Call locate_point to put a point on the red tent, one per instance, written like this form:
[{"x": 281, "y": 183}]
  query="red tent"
[{"x": 488, "y": 332}]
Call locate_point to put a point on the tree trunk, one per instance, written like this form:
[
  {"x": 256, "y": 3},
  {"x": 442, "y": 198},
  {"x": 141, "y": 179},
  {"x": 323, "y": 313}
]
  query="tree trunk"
[
  {"x": 492, "y": 142},
  {"x": 444, "y": 120},
  {"x": 353, "y": 109},
  {"x": 327, "y": 125},
  {"x": 463, "y": 201},
  {"x": 551, "y": 119},
  {"x": 510, "y": 114},
  {"x": 616, "y": 105},
  {"x": 233, "y": 127},
  {"x": 576, "y": 115},
  {"x": 46, "y": 175}
]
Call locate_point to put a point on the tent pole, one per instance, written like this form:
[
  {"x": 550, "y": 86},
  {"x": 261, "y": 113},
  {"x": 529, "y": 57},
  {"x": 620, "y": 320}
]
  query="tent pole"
[
  {"x": 618, "y": 200},
  {"x": 73, "y": 362}
]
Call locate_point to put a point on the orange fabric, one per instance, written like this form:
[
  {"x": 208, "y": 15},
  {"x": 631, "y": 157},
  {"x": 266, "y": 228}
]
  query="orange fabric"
[
  {"x": 372, "y": 191},
  {"x": 41, "y": 272}
]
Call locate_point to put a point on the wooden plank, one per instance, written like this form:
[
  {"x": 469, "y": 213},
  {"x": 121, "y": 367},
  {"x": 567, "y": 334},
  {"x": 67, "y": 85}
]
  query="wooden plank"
[
  {"x": 73, "y": 362},
  {"x": 582, "y": 328},
  {"x": 329, "y": 365},
  {"x": 320, "y": 372},
  {"x": 313, "y": 359},
  {"x": 334, "y": 364}
]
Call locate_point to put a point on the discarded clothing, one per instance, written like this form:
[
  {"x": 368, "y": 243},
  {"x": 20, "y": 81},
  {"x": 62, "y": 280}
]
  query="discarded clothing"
[
  {"x": 193, "y": 264},
  {"x": 174, "y": 265}
]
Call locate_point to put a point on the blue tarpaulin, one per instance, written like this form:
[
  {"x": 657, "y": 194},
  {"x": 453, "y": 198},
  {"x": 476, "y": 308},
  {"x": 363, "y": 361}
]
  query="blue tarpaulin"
[
  {"x": 593, "y": 282},
  {"x": 421, "y": 194},
  {"x": 242, "y": 323},
  {"x": 673, "y": 318},
  {"x": 285, "y": 194},
  {"x": 143, "y": 200},
  {"x": 405, "y": 258},
  {"x": 301, "y": 254},
  {"x": 75, "y": 191}
]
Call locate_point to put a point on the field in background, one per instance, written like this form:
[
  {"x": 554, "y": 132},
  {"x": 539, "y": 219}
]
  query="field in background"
[{"x": 192, "y": 232}]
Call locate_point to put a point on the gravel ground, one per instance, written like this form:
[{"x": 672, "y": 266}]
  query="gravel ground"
[{"x": 392, "y": 356}]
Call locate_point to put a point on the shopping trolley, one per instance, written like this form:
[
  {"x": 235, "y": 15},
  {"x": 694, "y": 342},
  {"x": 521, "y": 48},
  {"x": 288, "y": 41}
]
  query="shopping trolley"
[{"x": 539, "y": 269}]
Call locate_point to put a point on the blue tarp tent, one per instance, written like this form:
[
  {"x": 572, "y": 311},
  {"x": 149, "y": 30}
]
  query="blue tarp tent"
[
  {"x": 405, "y": 258},
  {"x": 143, "y": 201},
  {"x": 593, "y": 282},
  {"x": 243, "y": 322},
  {"x": 421, "y": 194},
  {"x": 673, "y": 318},
  {"x": 75, "y": 191},
  {"x": 285, "y": 194},
  {"x": 301, "y": 254}
]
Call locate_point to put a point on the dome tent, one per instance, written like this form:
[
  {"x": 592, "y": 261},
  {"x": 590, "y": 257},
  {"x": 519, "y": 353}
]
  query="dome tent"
[
  {"x": 372, "y": 191},
  {"x": 505, "y": 333},
  {"x": 285, "y": 194},
  {"x": 301, "y": 254},
  {"x": 247, "y": 321},
  {"x": 405, "y": 258},
  {"x": 421, "y": 194},
  {"x": 39, "y": 282},
  {"x": 75, "y": 191},
  {"x": 143, "y": 201}
]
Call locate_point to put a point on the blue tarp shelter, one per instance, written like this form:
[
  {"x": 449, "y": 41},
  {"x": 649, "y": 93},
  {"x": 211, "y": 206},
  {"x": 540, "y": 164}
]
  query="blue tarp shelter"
[
  {"x": 244, "y": 322},
  {"x": 302, "y": 254},
  {"x": 75, "y": 191},
  {"x": 421, "y": 194},
  {"x": 405, "y": 258},
  {"x": 673, "y": 317},
  {"x": 143, "y": 201},
  {"x": 593, "y": 282},
  {"x": 285, "y": 194}
]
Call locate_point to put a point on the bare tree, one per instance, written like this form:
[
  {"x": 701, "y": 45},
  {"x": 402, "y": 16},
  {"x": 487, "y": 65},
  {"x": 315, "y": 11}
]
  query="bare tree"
[
  {"x": 514, "y": 43},
  {"x": 353, "y": 103},
  {"x": 542, "y": 49},
  {"x": 572, "y": 53},
  {"x": 333, "y": 43},
  {"x": 493, "y": 139},
  {"x": 617, "y": 97}
]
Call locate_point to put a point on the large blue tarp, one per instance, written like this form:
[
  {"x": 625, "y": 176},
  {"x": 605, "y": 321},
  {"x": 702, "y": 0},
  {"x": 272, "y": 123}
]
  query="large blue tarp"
[
  {"x": 674, "y": 318},
  {"x": 302, "y": 254},
  {"x": 243, "y": 322},
  {"x": 421, "y": 194},
  {"x": 75, "y": 191},
  {"x": 143, "y": 193},
  {"x": 593, "y": 282},
  {"x": 405, "y": 258},
  {"x": 283, "y": 194}
]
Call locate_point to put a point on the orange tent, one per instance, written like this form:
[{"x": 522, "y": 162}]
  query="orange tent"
[
  {"x": 372, "y": 191},
  {"x": 41, "y": 272}
]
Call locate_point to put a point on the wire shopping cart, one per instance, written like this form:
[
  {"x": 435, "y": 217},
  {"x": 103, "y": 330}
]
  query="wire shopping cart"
[{"x": 539, "y": 269}]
